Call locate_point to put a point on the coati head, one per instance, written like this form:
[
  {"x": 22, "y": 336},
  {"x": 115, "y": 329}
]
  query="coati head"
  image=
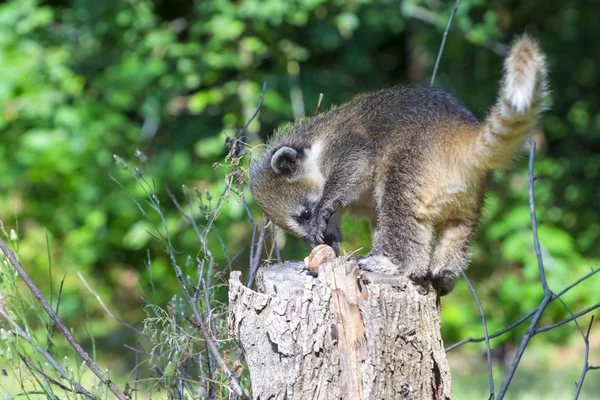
[{"x": 287, "y": 184}]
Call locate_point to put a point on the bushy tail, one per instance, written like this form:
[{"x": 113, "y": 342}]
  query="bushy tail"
[{"x": 521, "y": 99}]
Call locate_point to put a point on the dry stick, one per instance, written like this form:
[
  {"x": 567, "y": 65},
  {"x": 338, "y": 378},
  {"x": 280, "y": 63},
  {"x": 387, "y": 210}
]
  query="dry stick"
[
  {"x": 137, "y": 374},
  {"x": 586, "y": 365},
  {"x": 60, "y": 325},
  {"x": 198, "y": 323},
  {"x": 439, "y": 56},
  {"x": 431, "y": 18},
  {"x": 319, "y": 103},
  {"x": 485, "y": 334},
  {"x": 587, "y": 348},
  {"x": 118, "y": 320},
  {"x": 258, "y": 106},
  {"x": 17, "y": 330},
  {"x": 52, "y": 380},
  {"x": 110, "y": 314},
  {"x": 547, "y": 292},
  {"x": 202, "y": 239},
  {"x": 212, "y": 347},
  {"x": 255, "y": 255},
  {"x": 524, "y": 318},
  {"x": 275, "y": 244},
  {"x": 567, "y": 320},
  {"x": 211, "y": 258},
  {"x": 198, "y": 320}
]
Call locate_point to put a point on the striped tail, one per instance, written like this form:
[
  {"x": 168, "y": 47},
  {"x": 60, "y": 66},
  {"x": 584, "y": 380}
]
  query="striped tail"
[{"x": 513, "y": 117}]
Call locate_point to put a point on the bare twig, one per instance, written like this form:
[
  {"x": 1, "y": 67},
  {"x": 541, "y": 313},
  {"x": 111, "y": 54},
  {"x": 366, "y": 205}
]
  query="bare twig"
[
  {"x": 586, "y": 365},
  {"x": 547, "y": 292},
  {"x": 17, "y": 330},
  {"x": 52, "y": 380},
  {"x": 212, "y": 347},
  {"x": 439, "y": 56},
  {"x": 256, "y": 253},
  {"x": 524, "y": 318},
  {"x": 432, "y": 18},
  {"x": 198, "y": 321},
  {"x": 207, "y": 252},
  {"x": 319, "y": 104},
  {"x": 60, "y": 325},
  {"x": 567, "y": 320},
  {"x": 110, "y": 314},
  {"x": 275, "y": 244},
  {"x": 485, "y": 334},
  {"x": 258, "y": 106}
]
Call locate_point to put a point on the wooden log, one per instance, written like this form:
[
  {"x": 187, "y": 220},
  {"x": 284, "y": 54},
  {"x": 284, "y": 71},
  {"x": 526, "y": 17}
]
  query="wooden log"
[{"x": 339, "y": 335}]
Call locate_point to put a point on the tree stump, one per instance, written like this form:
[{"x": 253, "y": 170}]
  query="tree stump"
[{"x": 339, "y": 335}]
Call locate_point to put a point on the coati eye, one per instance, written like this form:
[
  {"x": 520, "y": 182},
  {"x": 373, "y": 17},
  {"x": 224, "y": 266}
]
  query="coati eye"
[{"x": 306, "y": 214}]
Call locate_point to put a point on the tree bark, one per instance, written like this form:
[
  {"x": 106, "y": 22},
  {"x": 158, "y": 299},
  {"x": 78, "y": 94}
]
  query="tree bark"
[{"x": 339, "y": 335}]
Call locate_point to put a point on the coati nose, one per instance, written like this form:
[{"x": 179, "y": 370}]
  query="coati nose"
[{"x": 312, "y": 242}]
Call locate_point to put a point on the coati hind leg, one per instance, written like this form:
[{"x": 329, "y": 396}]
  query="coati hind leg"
[{"x": 451, "y": 253}]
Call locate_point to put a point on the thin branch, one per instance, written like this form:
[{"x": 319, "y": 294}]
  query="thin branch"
[
  {"x": 524, "y": 318},
  {"x": 485, "y": 334},
  {"x": 547, "y": 292},
  {"x": 198, "y": 323},
  {"x": 567, "y": 320},
  {"x": 439, "y": 56},
  {"x": 212, "y": 347},
  {"x": 17, "y": 330},
  {"x": 275, "y": 244},
  {"x": 198, "y": 320},
  {"x": 255, "y": 258},
  {"x": 586, "y": 365},
  {"x": 432, "y": 18},
  {"x": 207, "y": 252},
  {"x": 493, "y": 335},
  {"x": 256, "y": 111},
  {"x": 319, "y": 104},
  {"x": 60, "y": 325},
  {"x": 54, "y": 381},
  {"x": 109, "y": 313}
]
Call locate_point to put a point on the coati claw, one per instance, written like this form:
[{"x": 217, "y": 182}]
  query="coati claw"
[
  {"x": 321, "y": 225},
  {"x": 378, "y": 264},
  {"x": 320, "y": 238}
]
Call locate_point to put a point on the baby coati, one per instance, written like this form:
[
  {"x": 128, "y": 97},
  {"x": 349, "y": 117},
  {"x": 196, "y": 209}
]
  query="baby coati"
[{"x": 411, "y": 158}]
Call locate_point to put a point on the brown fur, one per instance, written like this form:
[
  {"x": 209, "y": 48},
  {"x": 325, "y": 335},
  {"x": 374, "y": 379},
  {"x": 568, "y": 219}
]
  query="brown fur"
[{"x": 412, "y": 158}]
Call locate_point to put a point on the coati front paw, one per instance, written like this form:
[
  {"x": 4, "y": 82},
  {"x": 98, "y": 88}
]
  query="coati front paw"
[
  {"x": 443, "y": 280},
  {"x": 322, "y": 219},
  {"x": 378, "y": 264}
]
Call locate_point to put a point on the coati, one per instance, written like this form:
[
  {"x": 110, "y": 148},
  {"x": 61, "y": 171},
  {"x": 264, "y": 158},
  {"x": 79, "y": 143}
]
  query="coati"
[{"x": 411, "y": 158}]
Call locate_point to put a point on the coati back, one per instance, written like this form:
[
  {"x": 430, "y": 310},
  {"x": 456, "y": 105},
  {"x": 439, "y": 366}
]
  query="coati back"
[{"x": 411, "y": 158}]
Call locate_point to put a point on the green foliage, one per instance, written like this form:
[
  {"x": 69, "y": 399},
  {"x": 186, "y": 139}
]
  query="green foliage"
[{"x": 82, "y": 81}]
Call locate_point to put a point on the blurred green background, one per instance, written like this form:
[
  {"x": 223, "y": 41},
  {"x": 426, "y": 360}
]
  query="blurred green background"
[{"x": 82, "y": 80}]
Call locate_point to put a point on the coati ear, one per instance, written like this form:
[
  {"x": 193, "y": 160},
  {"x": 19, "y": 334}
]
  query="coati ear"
[{"x": 285, "y": 161}]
